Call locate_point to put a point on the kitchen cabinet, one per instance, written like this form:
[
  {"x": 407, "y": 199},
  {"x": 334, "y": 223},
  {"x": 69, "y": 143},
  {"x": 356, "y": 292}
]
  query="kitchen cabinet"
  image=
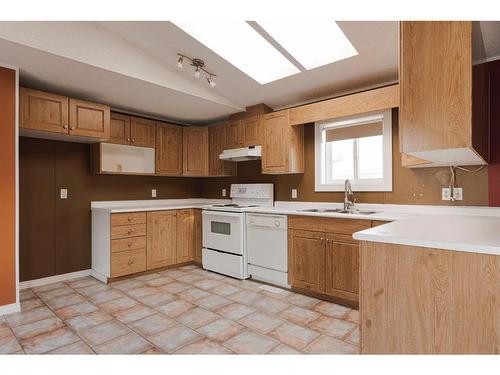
[
  {"x": 444, "y": 95},
  {"x": 324, "y": 258},
  {"x": 282, "y": 144},
  {"x": 251, "y": 130},
  {"x": 217, "y": 144},
  {"x": 162, "y": 238},
  {"x": 197, "y": 223},
  {"x": 195, "y": 151},
  {"x": 48, "y": 113},
  {"x": 235, "y": 135},
  {"x": 119, "y": 129},
  {"x": 142, "y": 132},
  {"x": 168, "y": 149},
  {"x": 184, "y": 251}
]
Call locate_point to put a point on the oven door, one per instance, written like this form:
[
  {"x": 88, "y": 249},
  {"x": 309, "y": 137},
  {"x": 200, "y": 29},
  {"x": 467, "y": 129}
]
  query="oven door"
[{"x": 223, "y": 231}]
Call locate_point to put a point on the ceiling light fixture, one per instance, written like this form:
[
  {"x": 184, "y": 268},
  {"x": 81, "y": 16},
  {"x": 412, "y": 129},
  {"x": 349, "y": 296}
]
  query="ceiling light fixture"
[{"x": 199, "y": 65}]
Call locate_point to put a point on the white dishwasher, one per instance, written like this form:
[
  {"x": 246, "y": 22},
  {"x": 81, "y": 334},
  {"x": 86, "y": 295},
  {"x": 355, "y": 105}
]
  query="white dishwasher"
[{"x": 267, "y": 248}]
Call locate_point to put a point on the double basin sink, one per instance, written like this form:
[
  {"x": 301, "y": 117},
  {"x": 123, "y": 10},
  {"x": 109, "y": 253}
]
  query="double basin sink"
[{"x": 338, "y": 211}]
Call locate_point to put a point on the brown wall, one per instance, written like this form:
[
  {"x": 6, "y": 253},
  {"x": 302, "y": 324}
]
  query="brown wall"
[
  {"x": 410, "y": 186},
  {"x": 7, "y": 186},
  {"x": 55, "y": 233}
]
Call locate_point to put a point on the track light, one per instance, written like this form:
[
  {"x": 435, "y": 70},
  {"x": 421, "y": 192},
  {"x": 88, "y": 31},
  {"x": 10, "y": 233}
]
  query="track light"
[{"x": 199, "y": 65}]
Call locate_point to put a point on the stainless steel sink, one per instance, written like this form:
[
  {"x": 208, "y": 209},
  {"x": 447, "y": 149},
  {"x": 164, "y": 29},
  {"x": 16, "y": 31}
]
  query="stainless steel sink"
[
  {"x": 339, "y": 211},
  {"x": 322, "y": 210}
]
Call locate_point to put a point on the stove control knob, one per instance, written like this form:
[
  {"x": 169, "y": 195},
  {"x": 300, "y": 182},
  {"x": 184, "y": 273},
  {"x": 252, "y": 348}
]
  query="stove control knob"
[{"x": 277, "y": 223}]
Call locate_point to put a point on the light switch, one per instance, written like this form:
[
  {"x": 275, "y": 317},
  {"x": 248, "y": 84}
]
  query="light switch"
[
  {"x": 153, "y": 193},
  {"x": 224, "y": 192},
  {"x": 64, "y": 194},
  {"x": 294, "y": 193}
]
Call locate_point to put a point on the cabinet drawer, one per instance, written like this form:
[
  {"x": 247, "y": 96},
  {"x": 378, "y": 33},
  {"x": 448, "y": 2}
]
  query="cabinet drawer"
[
  {"x": 128, "y": 262},
  {"x": 125, "y": 231},
  {"x": 128, "y": 218},
  {"x": 132, "y": 243}
]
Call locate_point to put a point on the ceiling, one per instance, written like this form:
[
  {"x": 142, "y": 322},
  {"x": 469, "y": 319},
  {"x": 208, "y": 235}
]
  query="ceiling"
[{"x": 132, "y": 67}]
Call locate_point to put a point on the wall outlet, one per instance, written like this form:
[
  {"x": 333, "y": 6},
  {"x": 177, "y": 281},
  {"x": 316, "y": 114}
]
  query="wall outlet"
[
  {"x": 294, "y": 193},
  {"x": 153, "y": 193},
  {"x": 64, "y": 194},
  {"x": 224, "y": 192},
  {"x": 457, "y": 194},
  {"x": 445, "y": 194}
]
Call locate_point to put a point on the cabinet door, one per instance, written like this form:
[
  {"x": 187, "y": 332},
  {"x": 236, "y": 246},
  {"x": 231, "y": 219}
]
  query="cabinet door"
[
  {"x": 185, "y": 236},
  {"x": 234, "y": 135},
  {"x": 142, "y": 132},
  {"x": 251, "y": 130},
  {"x": 197, "y": 236},
  {"x": 162, "y": 238},
  {"x": 119, "y": 129},
  {"x": 195, "y": 151},
  {"x": 275, "y": 144},
  {"x": 88, "y": 119},
  {"x": 168, "y": 149},
  {"x": 306, "y": 259},
  {"x": 43, "y": 111},
  {"x": 217, "y": 142},
  {"x": 342, "y": 268}
]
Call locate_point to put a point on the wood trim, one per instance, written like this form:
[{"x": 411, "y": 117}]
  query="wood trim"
[{"x": 363, "y": 102}]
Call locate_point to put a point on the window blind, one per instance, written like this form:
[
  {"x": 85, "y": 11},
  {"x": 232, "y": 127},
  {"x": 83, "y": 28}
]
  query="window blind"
[{"x": 369, "y": 129}]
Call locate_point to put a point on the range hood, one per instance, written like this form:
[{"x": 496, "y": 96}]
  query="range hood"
[{"x": 242, "y": 154}]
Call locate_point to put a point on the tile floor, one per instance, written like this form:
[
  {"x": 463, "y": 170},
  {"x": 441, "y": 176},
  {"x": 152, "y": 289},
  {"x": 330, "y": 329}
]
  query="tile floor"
[{"x": 185, "y": 310}]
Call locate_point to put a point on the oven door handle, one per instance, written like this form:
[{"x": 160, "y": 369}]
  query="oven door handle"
[{"x": 221, "y": 213}]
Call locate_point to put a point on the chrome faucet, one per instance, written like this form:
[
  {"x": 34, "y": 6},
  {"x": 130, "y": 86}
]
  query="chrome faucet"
[{"x": 349, "y": 199}]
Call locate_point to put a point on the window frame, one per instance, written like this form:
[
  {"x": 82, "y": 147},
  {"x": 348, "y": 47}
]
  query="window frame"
[{"x": 384, "y": 184}]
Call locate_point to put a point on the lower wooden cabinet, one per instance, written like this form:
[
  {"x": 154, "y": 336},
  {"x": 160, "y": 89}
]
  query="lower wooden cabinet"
[
  {"x": 197, "y": 236},
  {"x": 184, "y": 251},
  {"x": 162, "y": 238},
  {"x": 342, "y": 268},
  {"x": 128, "y": 262}
]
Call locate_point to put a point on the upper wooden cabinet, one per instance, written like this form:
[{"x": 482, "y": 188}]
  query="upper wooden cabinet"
[
  {"x": 119, "y": 129},
  {"x": 235, "y": 135},
  {"x": 443, "y": 115},
  {"x": 52, "y": 113},
  {"x": 168, "y": 149},
  {"x": 282, "y": 144},
  {"x": 251, "y": 130},
  {"x": 195, "y": 151},
  {"x": 217, "y": 144},
  {"x": 142, "y": 132}
]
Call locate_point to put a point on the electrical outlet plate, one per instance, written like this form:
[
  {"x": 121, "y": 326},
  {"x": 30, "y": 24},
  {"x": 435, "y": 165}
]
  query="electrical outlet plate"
[
  {"x": 294, "y": 193},
  {"x": 457, "y": 194},
  {"x": 64, "y": 193},
  {"x": 445, "y": 194},
  {"x": 153, "y": 193},
  {"x": 224, "y": 193}
]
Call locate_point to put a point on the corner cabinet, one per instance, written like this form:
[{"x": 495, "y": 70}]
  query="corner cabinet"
[
  {"x": 217, "y": 144},
  {"x": 444, "y": 95},
  {"x": 195, "y": 151},
  {"x": 282, "y": 144}
]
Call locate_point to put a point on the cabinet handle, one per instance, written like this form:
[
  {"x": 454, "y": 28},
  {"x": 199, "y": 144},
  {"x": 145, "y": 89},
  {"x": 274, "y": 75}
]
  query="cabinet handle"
[
  {"x": 65, "y": 126},
  {"x": 130, "y": 231},
  {"x": 130, "y": 262},
  {"x": 129, "y": 218},
  {"x": 132, "y": 140},
  {"x": 128, "y": 139},
  {"x": 129, "y": 244},
  {"x": 72, "y": 128}
]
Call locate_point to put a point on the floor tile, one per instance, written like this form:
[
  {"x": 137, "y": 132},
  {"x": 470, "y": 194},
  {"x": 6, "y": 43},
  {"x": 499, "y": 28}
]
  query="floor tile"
[
  {"x": 262, "y": 322},
  {"x": 26, "y": 294},
  {"x": 225, "y": 290},
  {"x": 205, "y": 346},
  {"x": 190, "y": 278},
  {"x": 302, "y": 300},
  {"x": 220, "y": 330},
  {"x": 9, "y": 344},
  {"x": 334, "y": 327},
  {"x": 118, "y": 304},
  {"x": 330, "y": 345},
  {"x": 49, "y": 294},
  {"x": 175, "y": 287},
  {"x": 141, "y": 292},
  {"x": 352, "y": 317},
  {"x": 83, "y": 282},
  {"x": 174, "y": 273},
  {"x": 152, "y": 324},
  {"x": 44, "y": 288},
  {"x": 157, "y": 299},
  {"x": 5, "y": 330},
  {"x": 294, "y": 335},
  {"x": 160, "y": 281},
  {"x": 206, "y": 284},
  {"x": 89, "y": 320},
  {"x": 175, "y": 338},
  {"x": 78, "y": 347},
  {"x": 250, "y": 285},
  {"x": 105, "y": 296},
  {"x": 270, "y": 305},
  {"x": 212, "y": 302},
  {"x": 193, "y": 294},
  {"x": 31, "y": 304},
  {"x": 148, "y": 277},
  {"x": 74, "y": 310},
  {"x": 235, "y": 311},
  {"x": 251, "y": 342},
  {"x": 284, "y": 349},
  {"x": 128, "y": 344},
  {"x": 37, "y": 328},
  {"x": 99, "y": 334},
  {"x": 63, "y": 301},
  {"x": 128, "y": 284},
  {"x": 154, "y": 350},
  {"x": 216, "y": 276},
  {"x": 332, "y": 309},
  {"x": 189, "y": 267},
  {"x": 197, "y": 317},
  {"x": 49, "y": 341},
  {"x": 246, "y": 297},
  {"x": 175, "y": 308},
  {"x": 299, "y": 315},
  {"x": 134, "y": 313},
  {"x": 25, "y": 317},
  {"x": 93, "y": 289},
  {"x": 353, "y": 337}
]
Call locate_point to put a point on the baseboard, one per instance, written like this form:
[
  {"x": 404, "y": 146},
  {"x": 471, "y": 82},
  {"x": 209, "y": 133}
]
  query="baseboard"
[
  {"x": 9, "y": 309},
  {"x": 54, "y": 279}
]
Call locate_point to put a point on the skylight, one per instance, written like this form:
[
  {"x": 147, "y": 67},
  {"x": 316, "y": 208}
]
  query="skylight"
[
  {"x": 312, "y": 43},
  {"x": 239, "y": 44}
]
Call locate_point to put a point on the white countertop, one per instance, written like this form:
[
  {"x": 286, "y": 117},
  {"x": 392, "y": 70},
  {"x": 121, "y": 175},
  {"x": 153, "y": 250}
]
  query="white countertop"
[{"x": 152, "y": 204}]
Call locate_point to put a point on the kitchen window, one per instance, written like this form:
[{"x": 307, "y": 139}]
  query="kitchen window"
[{"x": 358, "y": 148}]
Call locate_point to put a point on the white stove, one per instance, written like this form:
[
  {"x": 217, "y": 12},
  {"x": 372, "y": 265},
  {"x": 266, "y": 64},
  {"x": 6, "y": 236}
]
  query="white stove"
[{"x": 224, "y": 243}]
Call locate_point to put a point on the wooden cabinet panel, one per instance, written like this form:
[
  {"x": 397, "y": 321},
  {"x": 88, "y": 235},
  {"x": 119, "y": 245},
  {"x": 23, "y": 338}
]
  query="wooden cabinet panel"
[
  {"x": 128, "y": 218},
  {"x": 197, "y": 235},
  {"x": 328, "y": 224},
  {"x": 162, "y": 238},
  {"x": 185, "y": 236},
  {"x": 128, "y": 262},
  {"x": 142, "y": 132},
  {"x": 235, "y": 136},
  {"x": 195, "y": 151},
  {"x": 342, "y": 268},
  {"x": 119, "y": 129},
  {"x": 307, "y": 260},
  {"x": 168, "y": 149},
  {"x": 88, "y": 119},
  {"x": 251, "y": 131},
  {"x": 43, "y": 111},
  {"x": 217, "y": 144},
  {"x": 125, "y": 231},
  {"x": 124, "y": 244}
]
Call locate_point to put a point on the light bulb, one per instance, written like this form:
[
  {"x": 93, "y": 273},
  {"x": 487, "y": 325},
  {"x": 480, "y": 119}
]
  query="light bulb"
[
  {"x": 197, "y": 73},
  {"x": 211, "y": 82},
  {"x": 179, "y": 63}
]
